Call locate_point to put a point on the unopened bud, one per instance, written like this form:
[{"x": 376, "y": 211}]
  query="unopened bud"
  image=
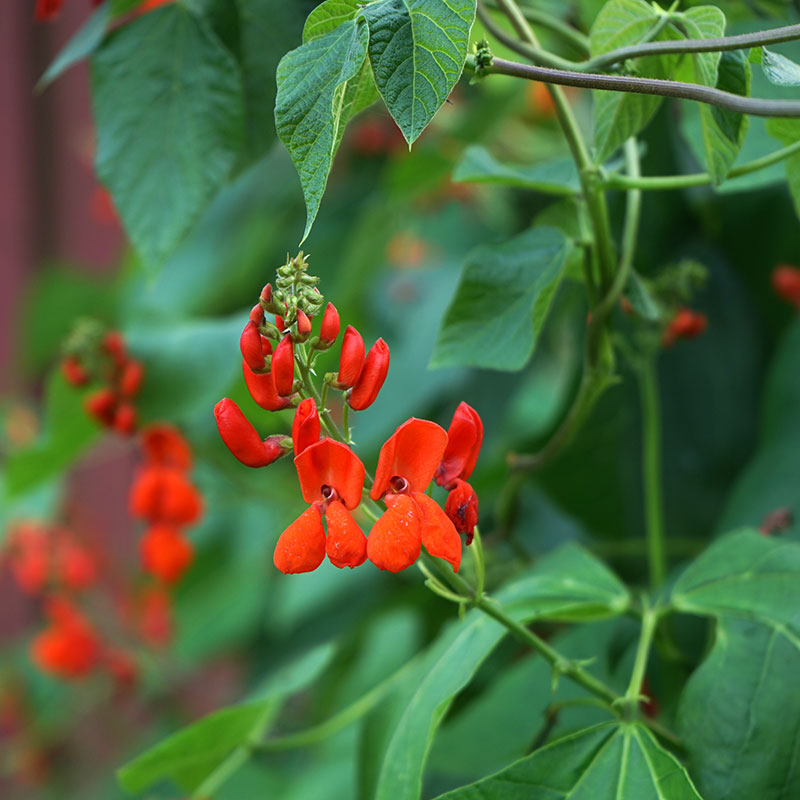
[
  {"x": 351, "y": 360},
  {"x": 282, "y": 367},
  {"x": 376, "y": 367}
]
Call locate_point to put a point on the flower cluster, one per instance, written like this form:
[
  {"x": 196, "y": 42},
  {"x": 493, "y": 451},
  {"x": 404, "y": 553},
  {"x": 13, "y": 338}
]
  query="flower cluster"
[
  {"x": 786, "y": 283},
  {"x": 332, "y": 477},
  {"x": 94, "y": 357},
  {"x": 164, "y": 497}
]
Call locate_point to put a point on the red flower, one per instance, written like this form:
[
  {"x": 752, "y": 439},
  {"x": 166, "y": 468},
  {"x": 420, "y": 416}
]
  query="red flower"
[
  {"x": 406, "y": 466},
  {"x": 351, "y": 359},
  {"x": 786, "y": 283},
  {"x": 73, "y": 371},
  {"x": 282, "y": 368},
  {"x": 257, "y": 314},
  {"x": 131, "y": 380},
  {"x": 262, "y": 390},
  {"x": 370, "y": 381},
  {"x": 686, "y": 324},
  {"x": 114, "y": 345},
  {"x": 331, "y": 480},
  {"x": 462, "y": 508},
  {"x": 305, "y": 427},
  {"x": 101, "y": 405},
  {"x": 125, "y": 419},
  {"x": 464, "y": 439},
  {"x": 329, "y": 329},
  {"x": 75, "y": 566},
  {"x": 69, "y": 647},
  {"x": 250, "y": 345},
  {"x": 165, "y": 446},
  {"x": 303, "y": 325},
  {"x": 165, "y": 552},
  {"x": 164, "y": 494},
  {"x": 242, "y": 439}
]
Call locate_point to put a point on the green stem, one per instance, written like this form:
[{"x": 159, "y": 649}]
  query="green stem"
[
  {"x": 651, "y": 471},
  {"x": 656, "y": 182},
  {"x": 480, "y": 563},
  {"x": 634, "y": 691}
]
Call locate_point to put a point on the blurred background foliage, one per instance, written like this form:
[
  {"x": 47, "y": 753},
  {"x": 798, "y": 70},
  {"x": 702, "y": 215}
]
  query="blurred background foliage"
[{"x": 389, "y": 243}]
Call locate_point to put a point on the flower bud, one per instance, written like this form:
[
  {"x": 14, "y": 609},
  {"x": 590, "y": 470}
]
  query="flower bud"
[
  {"x": 241, "y": 437},
  {"x": 266, "y": 294},
  {"x": 376, "y": 367},
  {"x": 351, "y": 360},
  {"x": 686, "y": 324},
  {"x": 131, "y": 380},
  {"x": 73, "y": 371},
  {"x": 257, "y": 314},
  {"x": 101, "y": 405},
  {"x": 114, "y": 345},
  {"x": 462, "y": 508},
  {"x": 250, "y": 345},
  {"x": 262, "y": 390},
  {"x": 125, "y": 419},
  {"x": 329, "y": 329},
  {"x": 305, "y": 427},
  {"x": 282, "y": 368},
  {"x": 303, "y": 325}
]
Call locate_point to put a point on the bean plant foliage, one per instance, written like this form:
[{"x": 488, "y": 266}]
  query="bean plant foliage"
[{"x": 679, "y": 681}]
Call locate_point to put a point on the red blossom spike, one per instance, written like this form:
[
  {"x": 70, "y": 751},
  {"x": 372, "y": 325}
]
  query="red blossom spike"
[
  {"x": 346, "y": 545},
  {"x": 351, "y": 359},
  {"x": 464, "y": 439},
  {"x": 305, "y": 427},
  {"x": 376, "y": 367},
  {"x": 282, "y": 368},
  {"x": 786, "y": 283},
  {"x": 250, "y": 345},
  {"x": 262, "y": 389},
  {"x": 301, "y": 547},
  {"x": 74, "y": 372},
  {"x": 412, "y": 452},
  {"x": 242, "y": 439},
  {"x": 164, "y": 445},
  {"x": 329, "y": 329},
  {"x": 438, "y": 534},
  {"x": 165, "y": 553},
  {"x": 462, "y": 508},
  {"x": 332, "y": 464},
  {"x": 395, "y": 540}
]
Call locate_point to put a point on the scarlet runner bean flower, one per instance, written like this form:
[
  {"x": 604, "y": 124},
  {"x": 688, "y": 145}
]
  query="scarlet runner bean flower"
[
  {"x": 331, "y": 480},
  {"x": 351, "y": 359},
  {"x": 686, "y": 324},
  {"x": 406, "y": 465},
  {"x": 165, "y": 552},
  {"x": 69, "y": 647},
  {"x": 372, "y": 377},
  {"x": 786, "y": 283},
  {"x": 329, "y": 329},
  {"x": 306, "y": 426},
  {"x": 464, "y": 439},
  {"x": 283, "y": 366},
  {"x": 242, "y": 439}
]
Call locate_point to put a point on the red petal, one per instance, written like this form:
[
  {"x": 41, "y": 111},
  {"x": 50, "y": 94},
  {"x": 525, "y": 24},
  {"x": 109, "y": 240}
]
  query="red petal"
[
  {"x": 346, "y": 545},
  {"x": 464, "y": 439},
  {"x": 462, "y": 508},
  {"x": 241, "y": 438},
  {"x": 262, "y": 389},
  {"x": 370, "y": 382},
  {"x": 330, "y": 463},
  {"x": 301, "y": 547},
  {"x": 395, "y": 539},
  {"x": 165, "y": 553},
  {"x": 438, "y": 533},
  {"x": 164, "y": 445},
  {"x": 412, "y": 452},
  {"x": 305, "y": 426}
]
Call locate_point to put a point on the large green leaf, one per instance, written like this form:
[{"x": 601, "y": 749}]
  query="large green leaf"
[
  {"x": 739, "y": 715},
  {"x": 502, "y": 301},
  {"x": 310, "y": 104},
  {"x": 745, "y": 575},
  {"x": 787, "y": 131},
  {"x": 167, "y": 99},
  {"x": 328, "y": 16},
  {"x": 417, "y": 49},
  {"x": 478, "y": 165},
  {"x": 611, "y": 761},
  {"x": 190, "y": 756},
  {"x": 569, "y": 584},
  {"x": 778, "y": 69},
  {"x": 68, "y": 431}
]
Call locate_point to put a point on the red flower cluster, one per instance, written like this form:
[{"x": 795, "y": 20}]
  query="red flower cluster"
[
  {"x": 786, "y": 283},
  {"x": 120, "y": 375},
  {"x": 164, "y": 497},
  {"x": 686, "y": 324},
  {"x": 46, "y": 557},
  {"x": 69, "y": 647}
]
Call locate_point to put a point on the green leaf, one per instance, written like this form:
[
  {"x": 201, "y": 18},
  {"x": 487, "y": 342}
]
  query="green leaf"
[
  {"x": 616, "y": 115},
  {"x": 80, "y": 46},
  {"x": 502, "y": 301},
  {"x": 611, "y": 761},
  {"x": 310, "y": 108},
  {"x": 167, "y": 99},
  {"x": 417, "y": 49},
  {"x": 68, "y": 432},
  {"x": 190, "y": 756},
  {"x": 723, "y": 131},
  {"x": 788, "y": 132},
  {"x": 478, "y": 165},
  {"x": 748, "y": 576},
  {"x": 738, "y": 715},
  {"x": 778, "y": 69},
  {"x": 569, "y": 584},
  {"x": 641, "y": 298},
  {"x": 328, "y": 16}
]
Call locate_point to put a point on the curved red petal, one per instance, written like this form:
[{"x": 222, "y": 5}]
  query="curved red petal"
[
  {"x": 301, "y": 547},
  {"x": 464, "y": 439},
  {"x": 439, "y": 536},
  {"x": 305, "y": 426},
  {"x": 351, "y": 358},
  {"x": 395, "y": 540},
  {"x": 346, "y": 545},
  {"x": 412, "y": 452},
  {"x": 282, "y": 367},
  {"x": 262, "y": 389},
  {"x": 250, "y": 345},
  {"x": 330, "y": 463},
  {"x": 240, "y": 437},
  {"x": 164, "y": 444},
  {"x": 370, "y": 382}
]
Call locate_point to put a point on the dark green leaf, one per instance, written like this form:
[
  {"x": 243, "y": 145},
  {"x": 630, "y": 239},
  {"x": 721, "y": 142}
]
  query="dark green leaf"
[
  {"x": 739, "y": 715},
  {"x": 779, "y": 70},
  {"x": 502, "y": 302},
  {"x": 611, "y": 761},
  {"x": 310, "y": 105},
  {"x": 417, "y": 49},
  {"x": 478, "y": 165},
  {"x": 167, "y": 99}
]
